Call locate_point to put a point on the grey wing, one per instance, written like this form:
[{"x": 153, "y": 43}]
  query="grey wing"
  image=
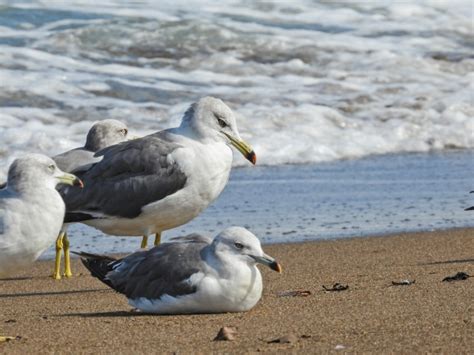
[
  {"x": 131, "y": 175},
  {"x": 165, "y": 269},
  {"x": 193, "y": 238},
  {"x": 76, "y": 160}
]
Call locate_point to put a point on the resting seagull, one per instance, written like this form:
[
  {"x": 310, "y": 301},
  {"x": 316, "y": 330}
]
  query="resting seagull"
[
  {"x": 101, "y": 135},
  {"x": 194, "y": 274},
  {"x": 161, "y": 181}
]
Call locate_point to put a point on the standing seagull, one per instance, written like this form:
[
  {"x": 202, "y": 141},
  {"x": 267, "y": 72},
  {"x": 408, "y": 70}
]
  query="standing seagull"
[
  {"x": 163, "y": 180},
  {"x": 195, "y": 275},
  {"x": 101, "y": 135},
  {"x": 31, "y": 211}
]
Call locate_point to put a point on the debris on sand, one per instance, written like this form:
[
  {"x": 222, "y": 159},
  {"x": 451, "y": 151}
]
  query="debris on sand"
[
  {"x": 336, "y": 287},
  {"x": 294, "y": 293},
  {"x": 226, "y": 333},
  {"x": 4, "y": 339},
  {"x": 286, "y": 339},
  {"x": 403, "y": 282},
  {"x": 458, "y": 277}
]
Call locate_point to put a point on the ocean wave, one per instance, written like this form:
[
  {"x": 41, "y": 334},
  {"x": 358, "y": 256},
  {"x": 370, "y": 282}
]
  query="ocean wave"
[{"x": 309, "y": 81}]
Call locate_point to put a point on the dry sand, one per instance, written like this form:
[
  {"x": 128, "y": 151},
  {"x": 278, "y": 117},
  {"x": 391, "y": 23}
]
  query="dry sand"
[{"x": 82, "y": 315}]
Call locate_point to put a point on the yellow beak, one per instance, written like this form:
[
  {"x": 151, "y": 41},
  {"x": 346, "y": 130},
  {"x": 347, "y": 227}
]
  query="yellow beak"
[
  {"x": 70, "y": 179},
  {"x": 268, "y": 261},
  {"x": 245, "y": 149}
]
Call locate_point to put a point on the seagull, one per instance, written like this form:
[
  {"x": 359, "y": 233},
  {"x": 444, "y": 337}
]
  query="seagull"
[
  {"x": 192, "y": 274},
  {"x": 163, "y": 180},
  {"x": 31, "y": 211},
  {"x": 101, "y": 135}
]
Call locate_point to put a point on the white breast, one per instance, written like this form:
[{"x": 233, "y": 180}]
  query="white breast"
[
  {"x": 207, "y": 167},
  {"x": 28, "y": 234}
]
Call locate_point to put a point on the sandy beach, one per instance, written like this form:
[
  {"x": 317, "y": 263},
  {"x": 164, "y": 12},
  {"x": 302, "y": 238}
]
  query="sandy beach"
[
  {"x": 81, "y": 315},
  {"x": 361, "y": 118}
]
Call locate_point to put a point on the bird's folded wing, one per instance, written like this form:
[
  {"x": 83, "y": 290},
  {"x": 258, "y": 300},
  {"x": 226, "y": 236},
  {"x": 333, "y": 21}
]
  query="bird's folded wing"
[
  {"x": 192, "y": 238},
  {"x": 76, "y": 160},
  {"x": 162, "y": 270},
  {"x": 131, "y": 175}
]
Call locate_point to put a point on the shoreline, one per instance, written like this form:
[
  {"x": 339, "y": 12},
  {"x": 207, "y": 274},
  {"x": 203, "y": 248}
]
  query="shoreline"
[
  {"x": 288, "y": 242},
  {"x": 372, "y": 196},
  {"x": 82, "y": 315}
]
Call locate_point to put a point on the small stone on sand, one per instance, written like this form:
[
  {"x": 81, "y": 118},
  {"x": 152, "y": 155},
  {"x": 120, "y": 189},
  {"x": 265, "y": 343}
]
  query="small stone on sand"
[{"x": 226, "y": 333}]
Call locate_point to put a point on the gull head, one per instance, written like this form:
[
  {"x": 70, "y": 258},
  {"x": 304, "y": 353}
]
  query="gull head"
[
  {"x": 212, "y": 120},
  {"x": 105, "y": 133},
  {"x": 35, "y": 170},
  {"x": 239, "y": 243}
]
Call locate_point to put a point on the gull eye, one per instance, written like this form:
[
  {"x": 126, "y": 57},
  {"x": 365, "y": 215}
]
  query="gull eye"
[
  {"x": 238, "y": 245},
  {"x": 124, "y": 131},
  {"x": 221, "y": 122},
  {"x": 52, "y": 167}
]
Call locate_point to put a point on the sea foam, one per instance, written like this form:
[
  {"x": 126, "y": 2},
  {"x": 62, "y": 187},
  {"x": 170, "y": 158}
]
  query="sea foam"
[{"x": 309, "y": 82}]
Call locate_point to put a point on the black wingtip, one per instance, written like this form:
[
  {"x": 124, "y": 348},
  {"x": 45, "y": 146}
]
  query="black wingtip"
[
  {"x": 469, "y": 208},
  {"x": 76, "y": 217},
  {"x": 98, "y": 265}
]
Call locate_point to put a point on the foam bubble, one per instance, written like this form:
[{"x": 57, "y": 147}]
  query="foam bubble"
[{"x": 309, "y": 82}]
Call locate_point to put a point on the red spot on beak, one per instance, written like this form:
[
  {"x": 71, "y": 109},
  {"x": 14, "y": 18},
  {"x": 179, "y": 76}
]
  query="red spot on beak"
[
  {"x": 252, "y": 157},
  {"x": 78, "y": 182}
]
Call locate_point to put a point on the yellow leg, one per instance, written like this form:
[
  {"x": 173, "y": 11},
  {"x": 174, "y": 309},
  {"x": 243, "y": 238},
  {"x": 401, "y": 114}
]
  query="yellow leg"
[
  {"x": 4, "y": 339},
  {"x": 144, "y": 242},
  {"x": 157, "y": 238},
  {"x": 67, "y": 257},
  {"x": 57, "y": 265}
]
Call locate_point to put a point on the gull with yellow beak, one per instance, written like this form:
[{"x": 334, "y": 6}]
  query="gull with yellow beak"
[
  {"x": 192, "y": 274},
  {"x": 31, "y": 211},
  {"x": 163, "y": 180},
  {"x": 101, "y": 135}
]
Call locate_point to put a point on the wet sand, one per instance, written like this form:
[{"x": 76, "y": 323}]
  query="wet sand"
[{"x": 81, "y": 315}]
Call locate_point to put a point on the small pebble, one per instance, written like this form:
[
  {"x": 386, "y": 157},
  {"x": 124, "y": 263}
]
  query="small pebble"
[{"x": 226, "y": 333}]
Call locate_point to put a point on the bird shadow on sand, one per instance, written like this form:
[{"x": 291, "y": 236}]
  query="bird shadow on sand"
[
  {"x": 19, "y": 278},
  {"x": 52, "y": 293},
  {"x": 454, "y": 261},
  {"x": 125, "y": 314}
]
